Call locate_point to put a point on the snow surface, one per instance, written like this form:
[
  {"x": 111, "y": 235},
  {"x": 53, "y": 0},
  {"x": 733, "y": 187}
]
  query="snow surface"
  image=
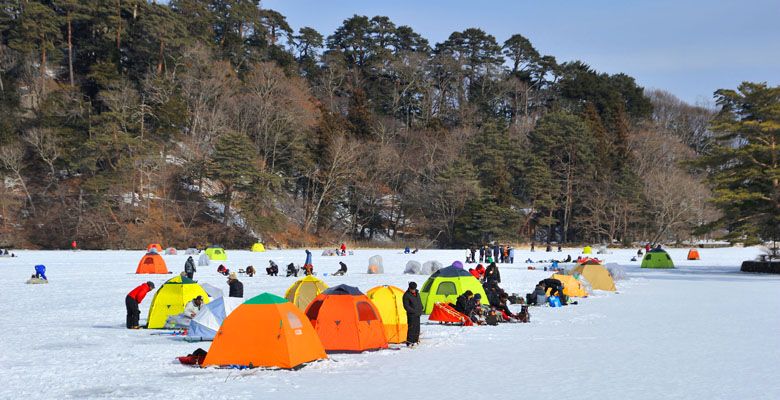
[{"x": 704, "y": 330}]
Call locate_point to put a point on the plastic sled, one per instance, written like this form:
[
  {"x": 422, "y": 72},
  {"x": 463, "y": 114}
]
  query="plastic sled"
[
  {"x": 191, "y": 360},
  {"x": 442, "y": 312}
]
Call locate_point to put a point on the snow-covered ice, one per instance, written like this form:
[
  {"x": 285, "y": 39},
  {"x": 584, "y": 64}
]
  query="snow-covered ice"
[{"x": 704, "y": 330}]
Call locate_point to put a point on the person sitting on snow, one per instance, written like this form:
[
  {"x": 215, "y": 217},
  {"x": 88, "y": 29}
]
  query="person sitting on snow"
[
  {"x": 272, "y": 269},
  {"x": 500, "y": 304},
  {"x": 222, "y": 270},
  {"x": 556, "y": 288},
  {"x": 193, "y": 307},
  {"x": 406, "y": 250},
  {"x": 568, "y": 258},
  {"x": 342, "y": 269},
  {"x": 291, "y": 270},
  {"x": 537, "y": 296}
]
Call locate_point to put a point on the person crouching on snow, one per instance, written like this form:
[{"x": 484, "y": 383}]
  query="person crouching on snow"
[
  {"x": 342, "y": 269},
  {"x": 193, "y": 307},
  {"x": 273, "y": 269},
  {"x": 133, "y": 299}
]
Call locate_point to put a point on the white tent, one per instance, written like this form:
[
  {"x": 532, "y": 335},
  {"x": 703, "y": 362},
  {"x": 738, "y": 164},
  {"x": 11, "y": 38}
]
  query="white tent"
[
  {"x": 375, "y": 265},
  {"x": 617, "y": 271},
  {"x": 170, "y": 251},
  {"x": 413, "y": 267},
  {"x": 212, "y": 291},
  {"x": 203, "y": 260},
  {"x": 190, "y": 251},
  {"x": 430, "y": 267},
  {"x": 206, "y": 324}
]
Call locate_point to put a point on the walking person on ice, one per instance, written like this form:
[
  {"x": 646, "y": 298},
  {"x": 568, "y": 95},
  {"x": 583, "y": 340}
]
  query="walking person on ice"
[{"x": 414, "y": 309}]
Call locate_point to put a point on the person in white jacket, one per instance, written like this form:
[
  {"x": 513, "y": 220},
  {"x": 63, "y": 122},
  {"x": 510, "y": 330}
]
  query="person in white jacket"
[{"x": 193, "y": 307}]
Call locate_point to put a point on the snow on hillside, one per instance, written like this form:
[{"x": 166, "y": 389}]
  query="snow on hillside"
[{"x": 703, "y": 330}]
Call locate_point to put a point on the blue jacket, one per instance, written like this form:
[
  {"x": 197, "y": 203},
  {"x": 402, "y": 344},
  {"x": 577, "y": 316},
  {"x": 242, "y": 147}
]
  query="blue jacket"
[
  {"x": 41, "y": 270},
  {"x": 308, "y": 257}
]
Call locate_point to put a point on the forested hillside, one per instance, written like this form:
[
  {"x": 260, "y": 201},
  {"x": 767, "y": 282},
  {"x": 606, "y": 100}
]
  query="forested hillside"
[{"x": 215, "y": 121}]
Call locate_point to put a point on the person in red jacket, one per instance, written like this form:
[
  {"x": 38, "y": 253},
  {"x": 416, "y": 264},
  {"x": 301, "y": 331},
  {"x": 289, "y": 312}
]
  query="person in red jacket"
[
  {"x": 135, "y": 297},
  {"x": 343, "y": 249}
]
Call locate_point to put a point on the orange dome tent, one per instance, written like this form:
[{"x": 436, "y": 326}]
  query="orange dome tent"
[
  {"x": 152, "y": 263},
  {"x": 346, "y": 320},
  {"x": 389, "y": 301},
  {"x": 265, "y": 331},
  {"x": 693, "y": 254},
  {"x": 155, "y": 246}
]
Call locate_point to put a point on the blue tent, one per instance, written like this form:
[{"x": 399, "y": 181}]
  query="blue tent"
[{"x": 206, "y": 324}]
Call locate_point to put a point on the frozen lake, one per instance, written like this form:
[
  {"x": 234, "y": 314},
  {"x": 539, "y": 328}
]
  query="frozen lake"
[{"x": 703, "y": 330}]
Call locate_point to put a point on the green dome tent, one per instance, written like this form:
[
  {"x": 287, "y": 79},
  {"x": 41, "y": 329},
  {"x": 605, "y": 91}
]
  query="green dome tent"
[
  {"x": 446, "y": 284},
  {"x": 657, "y": 258},
  {"x": 216, "y": 253}
]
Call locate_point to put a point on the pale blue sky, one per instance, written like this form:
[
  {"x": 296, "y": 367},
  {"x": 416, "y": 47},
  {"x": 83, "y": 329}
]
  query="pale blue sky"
[{"x": 688, "y": 47}]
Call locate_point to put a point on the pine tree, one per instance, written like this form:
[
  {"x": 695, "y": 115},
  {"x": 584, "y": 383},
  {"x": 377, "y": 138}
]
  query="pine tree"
[
  {"x": 234, "y": 165},
  {"x": 744, "y": 169}
]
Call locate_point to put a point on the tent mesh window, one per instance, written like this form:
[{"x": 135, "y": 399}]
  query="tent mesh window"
[
  {"x": 447, "y": 289},
  {"x": 314, "y": 310},
  {"x": 427, "y": 287},
  {"x": 149, "y": 260},
  {"x": 293, "y": 320},
  {"x": 365, "y": 311}
]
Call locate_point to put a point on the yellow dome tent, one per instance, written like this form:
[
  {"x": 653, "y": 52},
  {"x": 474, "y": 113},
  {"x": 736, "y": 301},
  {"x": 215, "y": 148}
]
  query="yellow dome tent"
[
  {"x": 304, "y": 290},
  {"x": 171, "y": 298},
  {"x": 389, "y": 301},
  {"x": 571, "y": 286},
  {"x": 258, "y": 247},
  {"x": 598, "y": 276}
]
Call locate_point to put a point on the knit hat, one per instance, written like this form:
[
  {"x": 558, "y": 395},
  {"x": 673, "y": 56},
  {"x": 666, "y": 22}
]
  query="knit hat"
[
  {"x": 477, "y": 296},
  {"x": 232, "y": 275},
  {"x": 412, "y": 285},
  {"x": 150, "y": 284}
]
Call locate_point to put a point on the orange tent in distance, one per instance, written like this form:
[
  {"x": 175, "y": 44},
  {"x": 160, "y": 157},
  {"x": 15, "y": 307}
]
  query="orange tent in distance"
[{"x": 152, "y": 263}]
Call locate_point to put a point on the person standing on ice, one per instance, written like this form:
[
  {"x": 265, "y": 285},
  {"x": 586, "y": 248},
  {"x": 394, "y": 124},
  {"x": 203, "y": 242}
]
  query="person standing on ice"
[
  {"x": 343, "y": 249},
  {"x": 133, "y": 299},
  {"x": 236, "y": 287},
  {"x": 414, "y": 309},
  {"x": 189, "y": 267}
]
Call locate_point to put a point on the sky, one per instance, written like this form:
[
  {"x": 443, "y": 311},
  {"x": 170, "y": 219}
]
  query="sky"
[{"x": 687, "y": 47}]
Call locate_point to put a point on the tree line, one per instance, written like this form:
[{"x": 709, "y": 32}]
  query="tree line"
[{"x": 205, "y": 121}]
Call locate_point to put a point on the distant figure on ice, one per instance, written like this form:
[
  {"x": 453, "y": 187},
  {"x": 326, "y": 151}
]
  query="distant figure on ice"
[
  {"x": 406, "y": 250},
  {"x": 532, "y": 246},
  {"x": 343, "y": 249},
  {"x": 133, "y": 299},
  {"x": 307, "y": 267},
  {"x": 74, "y": 245},
  {"x": 511, "y": 255},
  {"x": 273, "y": 269},
  {"x": 291, "y": 270},
  {"x": 416, "y": 249},
  {"x": 222, "y": 270},
  {"x": 250, "y": 271},
  {"x": 236, "y": 287},
  {"x": 639, "y": 253},
  {"x": 342, "y": 269},
  {"x": 40, "y": 272},
  {"x": 414, "y": 309},
  {"x": 189, "y": 267}
]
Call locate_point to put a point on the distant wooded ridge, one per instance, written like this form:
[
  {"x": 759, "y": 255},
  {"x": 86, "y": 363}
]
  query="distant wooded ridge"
[{"x": 212, "y": 121}]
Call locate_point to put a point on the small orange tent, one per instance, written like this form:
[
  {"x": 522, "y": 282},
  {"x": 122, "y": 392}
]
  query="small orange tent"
[
  {"x": 155, "y": 246},
  {"x": 346, "y": 320},
  {"x": 265, "y": 331},
  {"x": 693, "y": 254},
  {"x": 152, "y": 263}
]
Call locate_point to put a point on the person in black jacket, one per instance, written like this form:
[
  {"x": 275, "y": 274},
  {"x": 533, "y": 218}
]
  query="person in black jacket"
[
  {"x": 492, "y": 274},
  {"x": 342, "y": 269},
  {"x": 414, "y": 309},
  {"x": 463, "y": 304},
  {"x": 236, "y": 287},
  {"x": 500, "y": 304},
  {"x": 189, "y": 267},
  {"x": 272, "y": 269},
  {"x": 556, "y": 288},
  {"x": 291, "y": 270}
]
